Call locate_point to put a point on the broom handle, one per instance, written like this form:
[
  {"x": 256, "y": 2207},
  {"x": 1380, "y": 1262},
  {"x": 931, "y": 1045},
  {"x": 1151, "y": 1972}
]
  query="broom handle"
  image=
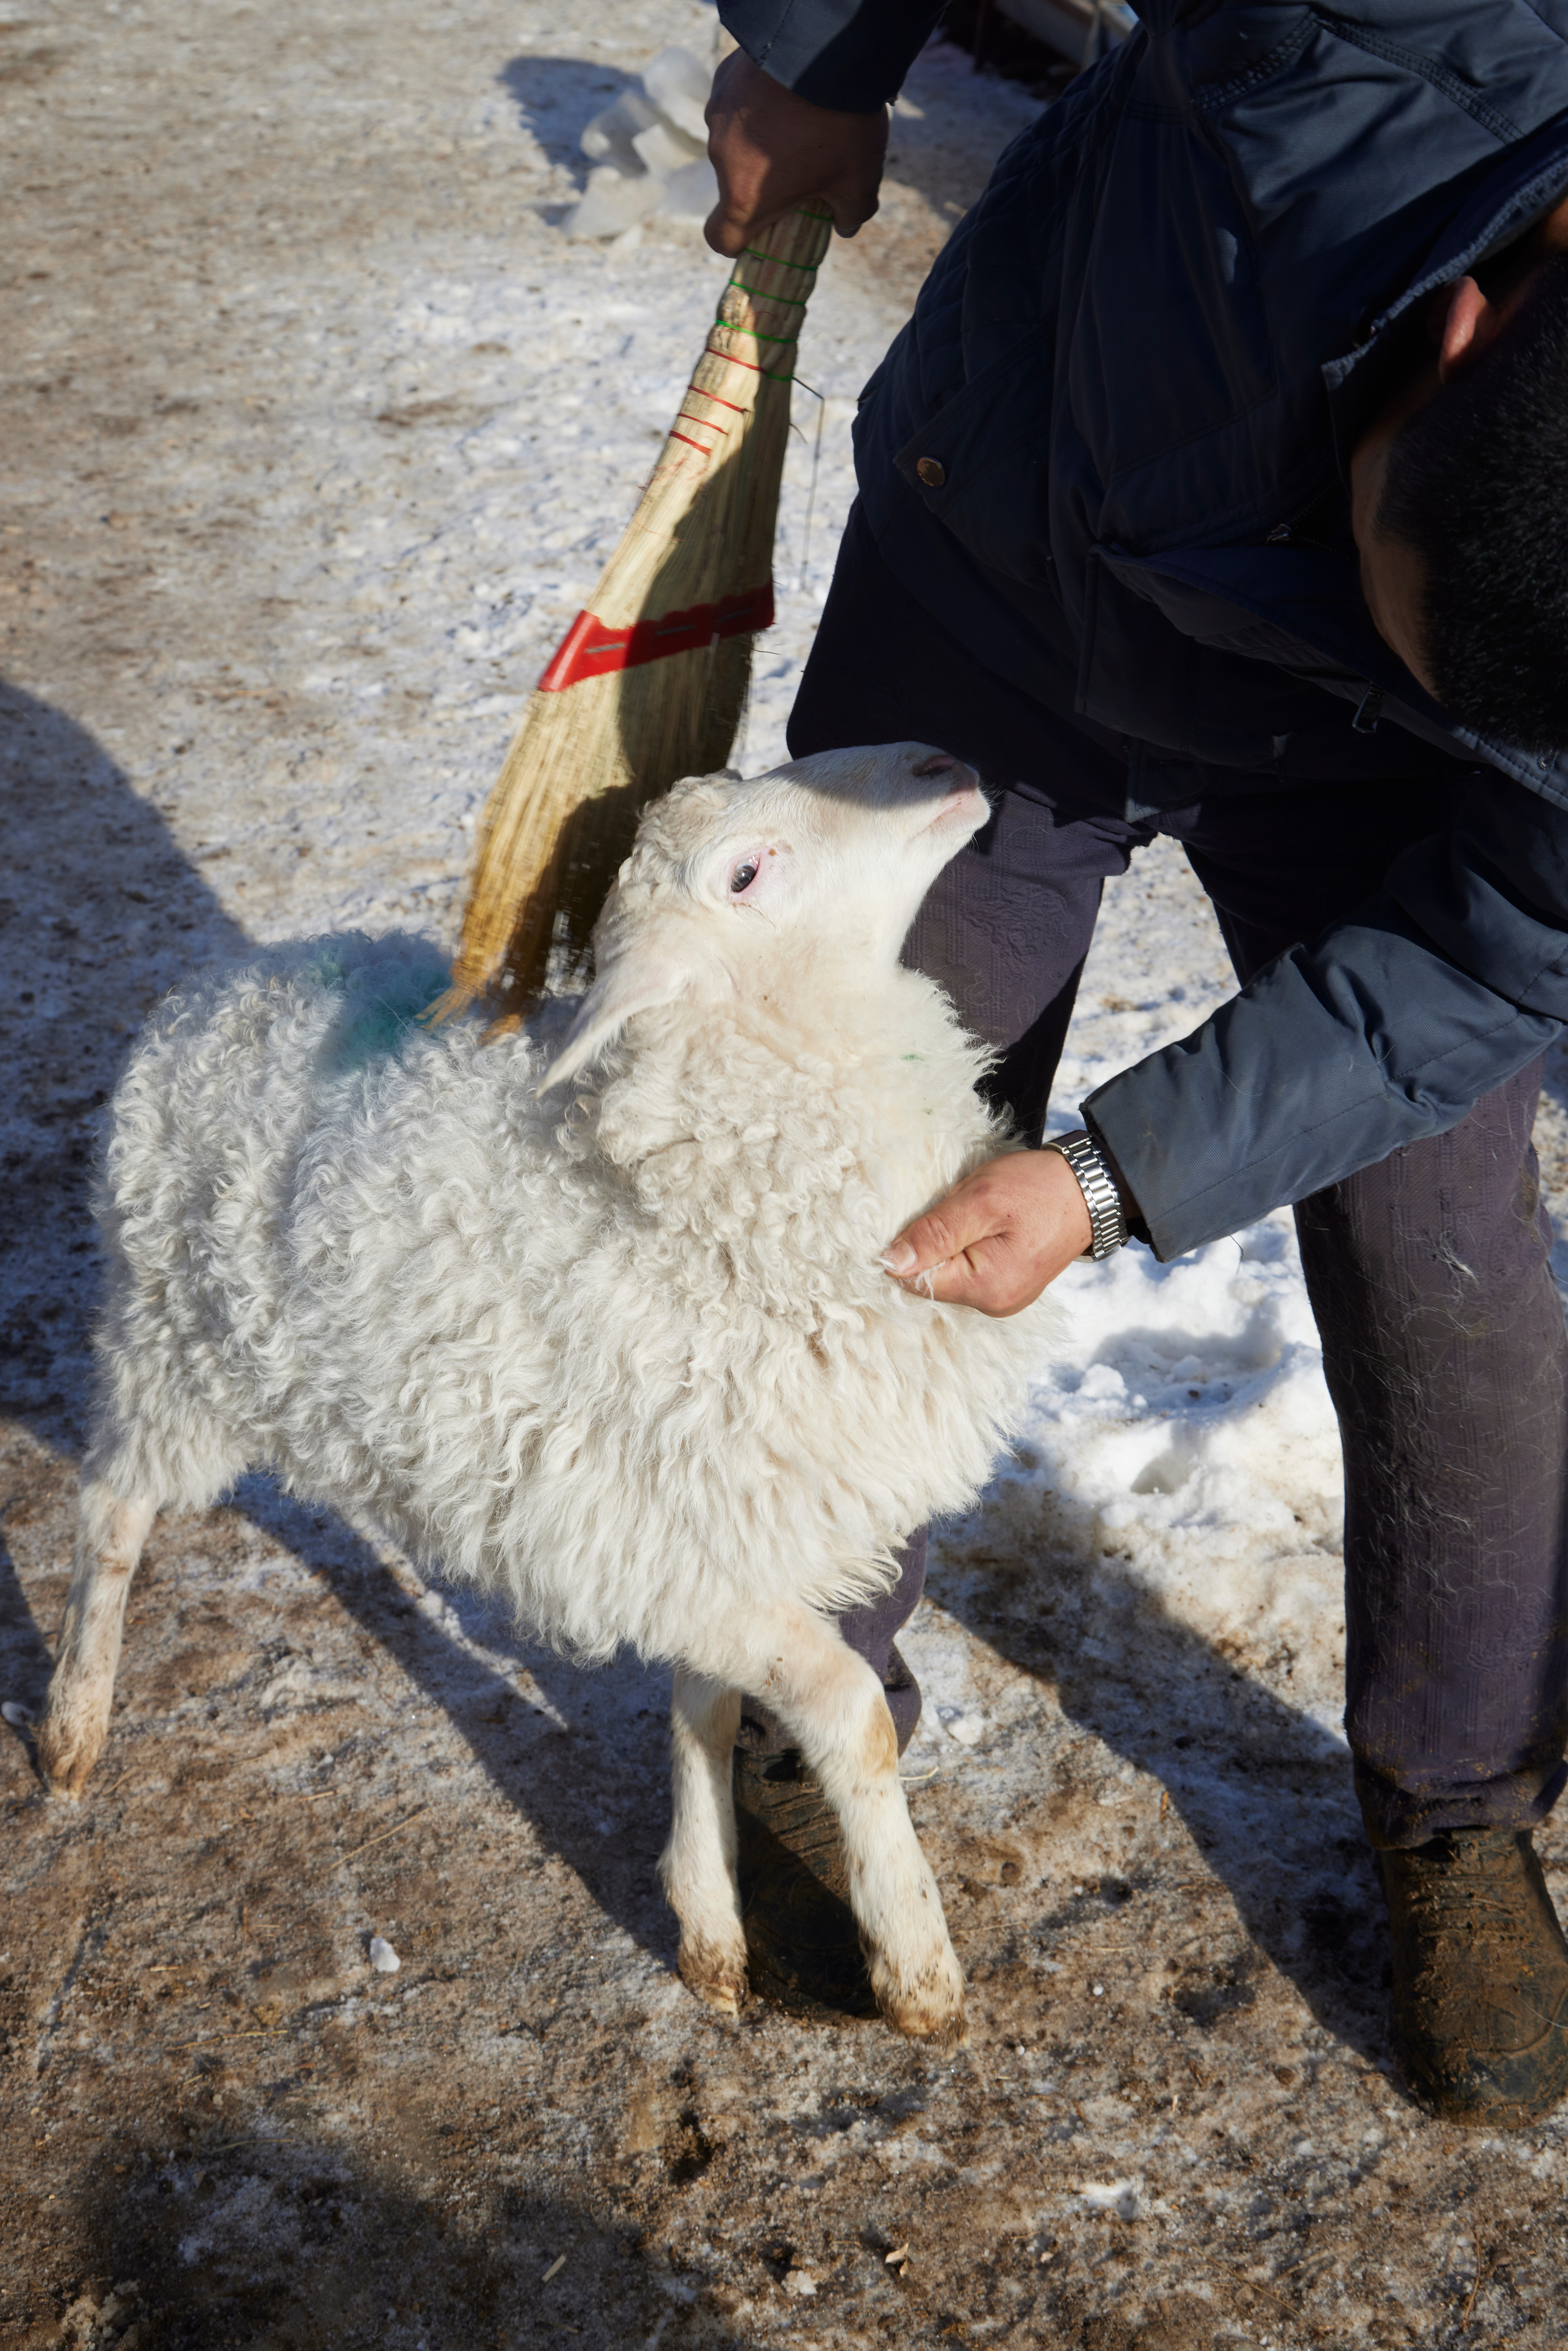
[
  {"x": 742, "y": 379},
  {"x": 746, "y": 370},
  {"x": 787, "y": 254},
  {"x": 764, "y": 305},
  {"x": 689, "y": 557}
]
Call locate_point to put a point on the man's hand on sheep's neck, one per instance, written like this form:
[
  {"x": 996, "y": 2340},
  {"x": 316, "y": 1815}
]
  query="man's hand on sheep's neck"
[{"x": 1000, "y": 1238}]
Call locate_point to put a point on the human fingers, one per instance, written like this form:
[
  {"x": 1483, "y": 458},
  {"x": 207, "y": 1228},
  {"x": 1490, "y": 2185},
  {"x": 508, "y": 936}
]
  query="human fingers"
[
  {"x": 773, "y": 150},
  {"x": 988, "y": 1275},
  {"x": 999, "y": 1237},
  {"x": 853, "y": 194}
]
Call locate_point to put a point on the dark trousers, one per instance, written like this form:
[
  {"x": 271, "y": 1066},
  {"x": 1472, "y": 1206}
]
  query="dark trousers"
[{"x": 1428, "y": 1275}]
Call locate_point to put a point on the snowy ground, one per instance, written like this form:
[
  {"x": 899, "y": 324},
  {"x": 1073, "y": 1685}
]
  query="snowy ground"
[{"x": 318, "y": 430}]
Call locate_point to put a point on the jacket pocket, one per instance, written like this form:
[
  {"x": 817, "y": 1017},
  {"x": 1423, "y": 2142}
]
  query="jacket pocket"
[{"x": 981, "y": 462}]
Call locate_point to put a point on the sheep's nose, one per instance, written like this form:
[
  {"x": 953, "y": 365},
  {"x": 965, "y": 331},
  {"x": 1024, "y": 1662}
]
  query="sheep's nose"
[{"x": 937, "y": 764}]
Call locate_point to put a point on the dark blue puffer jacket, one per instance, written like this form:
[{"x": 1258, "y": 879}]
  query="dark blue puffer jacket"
[{"x": 1141, "y": 364}]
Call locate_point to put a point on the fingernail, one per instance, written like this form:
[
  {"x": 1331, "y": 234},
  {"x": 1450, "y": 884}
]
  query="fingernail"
[{"x": 900, "y": 1258}]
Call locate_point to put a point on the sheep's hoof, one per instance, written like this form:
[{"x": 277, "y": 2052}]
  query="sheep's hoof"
[
  {"x": 928, "y": 2006},
  {"x": 66, "y": 1781},
  {"x": 944, "y": 2028},
  {"x": 923, "y": 2019},
  {"x": 65, "y": 1762},
  {"x": 715, "y": 1973}
]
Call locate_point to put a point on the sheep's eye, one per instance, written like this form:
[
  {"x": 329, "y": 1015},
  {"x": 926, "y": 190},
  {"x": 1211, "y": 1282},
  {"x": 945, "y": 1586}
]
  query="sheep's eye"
[{"x": 744, "y": 875}]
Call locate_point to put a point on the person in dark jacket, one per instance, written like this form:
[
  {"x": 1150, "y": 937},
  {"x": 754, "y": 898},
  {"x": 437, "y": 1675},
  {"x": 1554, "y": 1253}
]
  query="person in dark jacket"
[{"x": 1218, "y": 487}]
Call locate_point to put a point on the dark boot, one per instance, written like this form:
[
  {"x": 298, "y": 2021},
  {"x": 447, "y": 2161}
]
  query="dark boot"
[
  {"x": 802, "y": 1950},
  {"x": 1481, "y": 1978}
]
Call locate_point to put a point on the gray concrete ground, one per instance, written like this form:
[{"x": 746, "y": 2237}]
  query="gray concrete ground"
[{"x": 281, "y": 547}]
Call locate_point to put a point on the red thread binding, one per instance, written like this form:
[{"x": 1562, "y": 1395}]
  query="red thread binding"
[{"x": 590, "y": 650}]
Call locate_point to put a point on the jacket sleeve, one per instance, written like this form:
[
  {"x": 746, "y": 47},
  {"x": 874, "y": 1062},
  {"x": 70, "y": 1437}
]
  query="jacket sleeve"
[
  {"x": 1387, "y": 1028},
  {"x": 849, "y": 55}
]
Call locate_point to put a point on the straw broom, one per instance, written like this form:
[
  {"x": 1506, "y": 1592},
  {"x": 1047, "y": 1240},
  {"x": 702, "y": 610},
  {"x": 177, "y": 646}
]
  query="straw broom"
[{"x": 648, "y": 684}]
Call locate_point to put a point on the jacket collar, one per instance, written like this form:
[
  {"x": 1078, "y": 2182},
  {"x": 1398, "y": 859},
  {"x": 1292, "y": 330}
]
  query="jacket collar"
[{"x": 1517, "y": 190}]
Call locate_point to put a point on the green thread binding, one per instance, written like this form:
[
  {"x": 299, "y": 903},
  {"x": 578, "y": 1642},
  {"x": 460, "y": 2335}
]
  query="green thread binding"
[
  {"x": 731, "y": 328},
  {"x": 789, "y": 301},
  {"x": 757, "y": 255},
  {"x": 753, "y": 334}
]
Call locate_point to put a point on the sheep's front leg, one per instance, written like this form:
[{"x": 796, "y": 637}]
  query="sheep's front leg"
[
  {"x": 110, "y": 1531},
  {"x": 831, "y": 1704},
  {"x": 697, "y": 1865},
  {"x": 846, "y": 1735}
]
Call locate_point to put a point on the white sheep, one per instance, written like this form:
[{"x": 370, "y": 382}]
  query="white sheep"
[{"x": 633, "y": 1366}]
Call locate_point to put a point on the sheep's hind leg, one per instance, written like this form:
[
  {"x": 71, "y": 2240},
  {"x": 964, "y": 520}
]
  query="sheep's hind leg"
[
  {"x": 111, "y": 1531},
  {"x": 697, "y": 1864},
  {"x": 831, "y": 1704}
]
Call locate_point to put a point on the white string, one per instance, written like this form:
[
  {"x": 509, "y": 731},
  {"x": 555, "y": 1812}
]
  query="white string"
[{"x": 816, "y": 465}]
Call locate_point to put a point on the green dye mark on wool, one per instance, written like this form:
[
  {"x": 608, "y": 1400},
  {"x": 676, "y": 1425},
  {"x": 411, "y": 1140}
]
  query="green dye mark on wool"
[
  {"x": 380, "y": 1009},
  {"x": 327, "y": 970}
]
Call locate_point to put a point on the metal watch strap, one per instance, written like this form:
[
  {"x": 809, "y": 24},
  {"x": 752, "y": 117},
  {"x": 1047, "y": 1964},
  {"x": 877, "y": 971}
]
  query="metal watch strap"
[{"x": 1107, "y": 1217}]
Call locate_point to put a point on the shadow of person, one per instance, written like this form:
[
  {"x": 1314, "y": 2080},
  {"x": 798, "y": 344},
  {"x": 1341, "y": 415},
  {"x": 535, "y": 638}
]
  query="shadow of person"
[
  {"x": 100, "y": 912},
  {"x": 294, "y": 2241},
  {"x": 1263, "y": 1789}
]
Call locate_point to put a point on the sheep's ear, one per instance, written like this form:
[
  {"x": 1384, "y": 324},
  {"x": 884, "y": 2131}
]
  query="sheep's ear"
[{"x": 631, "y": 983}]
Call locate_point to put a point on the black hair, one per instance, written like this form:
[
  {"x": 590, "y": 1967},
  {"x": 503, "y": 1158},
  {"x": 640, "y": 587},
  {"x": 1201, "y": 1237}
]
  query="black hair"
[{"x": 1477, "y": 484}]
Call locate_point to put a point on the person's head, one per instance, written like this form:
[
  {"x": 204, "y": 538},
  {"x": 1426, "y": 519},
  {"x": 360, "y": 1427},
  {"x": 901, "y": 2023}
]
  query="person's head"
[{"x": 1461, "y": 510}]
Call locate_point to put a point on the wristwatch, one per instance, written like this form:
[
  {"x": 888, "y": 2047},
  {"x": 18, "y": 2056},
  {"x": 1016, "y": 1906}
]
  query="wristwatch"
[{"x": 1107, "y": 1217}]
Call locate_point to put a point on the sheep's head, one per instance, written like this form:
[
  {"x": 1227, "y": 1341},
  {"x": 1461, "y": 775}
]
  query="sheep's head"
[{"x": 825, "y": 859}]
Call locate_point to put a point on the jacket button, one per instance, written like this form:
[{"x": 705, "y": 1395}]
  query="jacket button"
[{"x": 931, "y": 471}]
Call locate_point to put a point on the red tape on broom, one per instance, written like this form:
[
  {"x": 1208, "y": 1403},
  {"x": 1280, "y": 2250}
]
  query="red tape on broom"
[{"x": 590, "y": 650}]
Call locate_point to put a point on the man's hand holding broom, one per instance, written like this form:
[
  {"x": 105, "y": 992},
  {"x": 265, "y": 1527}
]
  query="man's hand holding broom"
[{"x": 773, "y": 150}]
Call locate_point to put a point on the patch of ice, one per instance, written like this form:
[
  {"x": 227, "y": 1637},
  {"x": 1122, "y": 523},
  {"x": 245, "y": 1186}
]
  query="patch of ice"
[
  {"x": 678, "y": 85},
  {"x": 649, "y": 151},
  {"x": 690, "y": 194},
  {"x": 612, "y": 202},
  {"x": 901, "y": 2153},
  {"x": 1118, "y": 2196}
]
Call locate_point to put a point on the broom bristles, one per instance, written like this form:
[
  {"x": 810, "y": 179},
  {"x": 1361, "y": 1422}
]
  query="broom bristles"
[{"x": 617, "y": 718}]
